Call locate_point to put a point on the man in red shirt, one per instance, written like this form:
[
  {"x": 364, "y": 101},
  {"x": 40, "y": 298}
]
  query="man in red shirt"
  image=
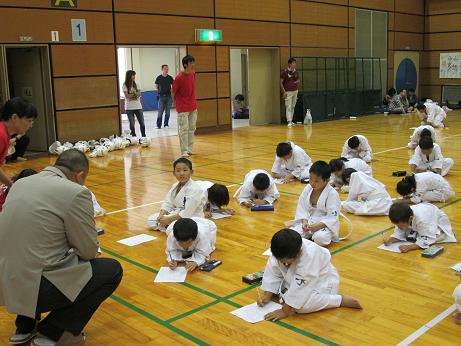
[
  {"x": 289, "y": 81},
  {"x": 184, "y": 96},
  {"x": 16, "y": 116}
]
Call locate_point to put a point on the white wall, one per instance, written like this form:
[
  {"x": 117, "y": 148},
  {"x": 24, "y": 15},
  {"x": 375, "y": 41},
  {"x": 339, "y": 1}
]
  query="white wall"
[
  {"x": 147, "y": 63},
  {"x": 236, "y": 71}
]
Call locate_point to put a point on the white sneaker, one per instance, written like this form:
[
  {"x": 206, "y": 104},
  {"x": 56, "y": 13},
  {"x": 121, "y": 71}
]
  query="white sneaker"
[
  {"x": 18, "y": 339},
  {"x": 185, "y": 154},
  {"x": 290, "y": 124},
  {"x": 144, "y": 141}
]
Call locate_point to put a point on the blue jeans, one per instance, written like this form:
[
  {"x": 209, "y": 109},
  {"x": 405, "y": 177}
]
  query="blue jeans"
[
  {"x": 140, "y": 116},
  {"x": 164, "y": 104}
]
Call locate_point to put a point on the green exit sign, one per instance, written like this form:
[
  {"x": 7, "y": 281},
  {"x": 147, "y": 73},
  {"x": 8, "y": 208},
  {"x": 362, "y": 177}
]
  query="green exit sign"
[{"x": 208, "y": 35}]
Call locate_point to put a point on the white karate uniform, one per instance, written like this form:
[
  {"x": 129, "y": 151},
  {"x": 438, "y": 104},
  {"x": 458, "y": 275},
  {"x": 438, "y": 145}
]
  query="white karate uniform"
[
  {"x": 200, "y": 250},
  {"x": 188, "y": 202},
  {"x": 98, "y": 210},
  {"x": 431, "y": 187},
  {"x": 435, "y": 160},
  {"x": 430, "y": 224},
  {"x": 416, "y": 136},
  {"x": 363, "y": 151},
  {"x": 326, "y": 211},
  {"x": 367, "y": 196},
  {"x": 298, "y": 165},
  {"x": 435, "y": 114},
  {"x": 457, "y": 296},
  {"x": 358, "y": 164},
  {"x": 205, "y": 185},
  {"x": 248, "y": 192},
  {"x": 309, "y": 284}
]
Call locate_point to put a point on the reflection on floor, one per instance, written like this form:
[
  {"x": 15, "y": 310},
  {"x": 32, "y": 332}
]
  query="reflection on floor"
[
  {"x": 236, "y": 123},
  {"x": 150, "y": 119}
]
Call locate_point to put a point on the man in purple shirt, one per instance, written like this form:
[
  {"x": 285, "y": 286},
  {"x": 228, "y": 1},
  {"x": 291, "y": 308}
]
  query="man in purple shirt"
[{"x": 289, "y": 81}]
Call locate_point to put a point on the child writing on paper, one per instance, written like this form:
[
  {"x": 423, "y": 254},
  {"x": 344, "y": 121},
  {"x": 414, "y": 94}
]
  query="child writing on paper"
[
  {"x": 258, "y": 188},
  {"x": 300, "y": 273},
  {"x": 185, "y": 198},
  {"x": 367, "y": 196},
  {"x": 431, "y": 114},
  {"x": 337, "y": 167},
  {"x": 216, "y": 196},
  {"x": 421, "y": 131},
  {"x": 291, "y": 162},
  {"x": 424, "y": 223},
  {"x": 428, "y": 157},
  {"x": 357, "y": 146},
  {"x": 318, "y": 207},
  {"x": 424, "y": 187},
  {"x": 190, "y": 240}
]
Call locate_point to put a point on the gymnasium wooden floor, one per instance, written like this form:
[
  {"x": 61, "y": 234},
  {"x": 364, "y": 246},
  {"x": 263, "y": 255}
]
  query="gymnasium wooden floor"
[{"x": 400, "y": 293}]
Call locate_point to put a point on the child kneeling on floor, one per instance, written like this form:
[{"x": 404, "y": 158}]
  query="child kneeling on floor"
[
  {"x": 300, "y": 273},
  {"x": 185, "y": 198},
  {"x": 424, "y": 223},
  {"x": 190, "y": 240}
]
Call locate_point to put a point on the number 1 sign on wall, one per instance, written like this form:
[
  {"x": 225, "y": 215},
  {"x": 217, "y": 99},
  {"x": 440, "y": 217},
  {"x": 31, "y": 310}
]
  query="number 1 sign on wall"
[{"x": 78, "y": 29}]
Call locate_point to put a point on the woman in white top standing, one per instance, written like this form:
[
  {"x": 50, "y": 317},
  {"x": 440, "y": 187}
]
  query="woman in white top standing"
[{"x": 133, "y": 105}]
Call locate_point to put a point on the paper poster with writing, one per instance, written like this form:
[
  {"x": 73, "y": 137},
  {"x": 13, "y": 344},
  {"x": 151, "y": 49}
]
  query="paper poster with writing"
[{"x": 450, "y": 65}]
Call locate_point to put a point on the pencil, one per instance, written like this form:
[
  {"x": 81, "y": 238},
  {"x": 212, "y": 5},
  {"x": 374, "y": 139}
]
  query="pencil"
[
  {"x": 171, "y": 258},
  {"x": 257, "y": 290}
]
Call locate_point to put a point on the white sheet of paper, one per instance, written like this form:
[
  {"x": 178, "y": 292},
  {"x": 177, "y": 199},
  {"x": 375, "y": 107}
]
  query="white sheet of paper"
[
  {"x": 253, "y": 313},
  {"x": 456, "y": 267},
  {"x": 165, "y": 274},
  {"x": 217, "y": 216},
  {"x": 279, "y": 181},
  {"x": 268, "y": 252},
  {"x": 136, "y": 240},
  {"x": 394, "y": 247}
]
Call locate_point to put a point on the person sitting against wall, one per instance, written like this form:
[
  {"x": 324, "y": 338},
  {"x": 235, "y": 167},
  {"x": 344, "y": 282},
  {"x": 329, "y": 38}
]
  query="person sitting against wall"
[
  {"x": 388, "y": 98},
  {"x": 399, "y": 103},
  {"x": 19, "y": 143},
  {"x": 412, "y": 98},
  {"x": 239, "y": 110}
]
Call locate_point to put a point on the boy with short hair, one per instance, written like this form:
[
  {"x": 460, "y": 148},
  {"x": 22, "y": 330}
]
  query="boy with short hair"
[
  {"x": 190, "y": 240},
  {"x": 258, "y": 188},
  {"x": 428, "y": 157},
  {"x": 423, "y": 223},
  {"x": 424, "y": 187},
  {"x": 367, "y": 195},
  {"x": 217, "y": 197},
  {"x": 357, "y": 146},
  {"x": 431, "y": 114},
  {"x": 291, "y": 162},
  {"x": 318, "y": 207},
  {"x": 300, "y": 273},
  {"x": 421, "y": 131}
]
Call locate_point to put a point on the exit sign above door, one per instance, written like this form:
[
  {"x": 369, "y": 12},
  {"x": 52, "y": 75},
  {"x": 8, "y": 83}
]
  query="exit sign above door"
[
  {"x": 208, "y": 35},
  {"x": 64, "y": 3}
]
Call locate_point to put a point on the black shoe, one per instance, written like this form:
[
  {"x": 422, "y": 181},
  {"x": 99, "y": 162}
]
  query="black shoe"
[{"x": 305, "y": 181}]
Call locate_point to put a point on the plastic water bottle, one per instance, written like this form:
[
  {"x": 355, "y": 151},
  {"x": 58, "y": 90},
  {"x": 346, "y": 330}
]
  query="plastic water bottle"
[{"x": 308, "y": 117}]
